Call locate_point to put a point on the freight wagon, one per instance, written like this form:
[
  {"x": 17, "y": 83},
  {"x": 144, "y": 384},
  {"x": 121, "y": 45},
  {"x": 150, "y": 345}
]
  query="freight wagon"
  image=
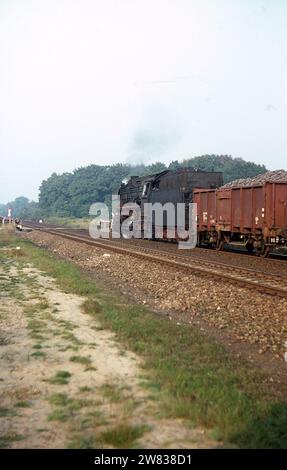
[{"x": 254, "y": 215}]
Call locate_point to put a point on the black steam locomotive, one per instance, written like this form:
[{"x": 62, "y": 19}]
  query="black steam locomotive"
[{"x": 169, "y": 186}]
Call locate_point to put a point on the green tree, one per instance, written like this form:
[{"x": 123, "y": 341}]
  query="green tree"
[{"x": 232, "y": 168}]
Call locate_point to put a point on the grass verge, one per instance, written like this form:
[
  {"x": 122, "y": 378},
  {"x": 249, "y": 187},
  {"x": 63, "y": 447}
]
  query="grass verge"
[
  {"x": 123, "y": 436},
  {"x": 194, "y": 377}
]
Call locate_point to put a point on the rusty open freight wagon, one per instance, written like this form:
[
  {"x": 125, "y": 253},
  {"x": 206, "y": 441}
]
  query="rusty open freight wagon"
[{"x": 255, "y": 216}]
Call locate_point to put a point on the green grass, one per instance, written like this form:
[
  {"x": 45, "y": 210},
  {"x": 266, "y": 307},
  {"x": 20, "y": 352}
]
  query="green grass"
[
  {"x": 32, "y": 309},
  {"x": 74, "y": 222},
  {"x": 90, "y": 368},
  {"x": 60, "y": 378},
  {"x": 23, "y": 404},
  {"x": 123, "y": 436},
  {"x": 152, "y": 386},
  {"x": 6, "y": 412},
  {"x": 112, "y": 392},
  {"x": 91, "y": 305},
  {"x": 59, "y": 399},
  {"x": 91, "y": 422},
  {"x": 35, "y": 325},
  {"x": 68, "y": 347},
  {"x": 38, "y": 354},
  {"x": 71, "y": 337},
  {"x": 59, "y": 415},
  {"x": 83, "y": 442},
  {"x": 86, "y": 361},
  {"x": 72, "y": 404},
  {"x": 36, "y": 335},
  {"x": 7, "y": 439},
  {"x": 84, "y": 389},
  {"x": 67, "y": 324},
  {"x": 193, "y": 376},
  {"x": 129, "y": 406}
]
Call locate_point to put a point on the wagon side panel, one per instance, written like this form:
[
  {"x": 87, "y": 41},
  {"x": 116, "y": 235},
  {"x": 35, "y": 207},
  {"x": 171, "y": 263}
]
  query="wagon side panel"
[{"x": 223, "y": 209}]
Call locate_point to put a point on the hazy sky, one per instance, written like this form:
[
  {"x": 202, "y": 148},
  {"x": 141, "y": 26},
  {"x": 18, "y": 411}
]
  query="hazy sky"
[{"x": 102, "y": 81}]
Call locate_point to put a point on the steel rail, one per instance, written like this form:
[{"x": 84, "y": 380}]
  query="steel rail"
[{"x": 240, "y": 276}]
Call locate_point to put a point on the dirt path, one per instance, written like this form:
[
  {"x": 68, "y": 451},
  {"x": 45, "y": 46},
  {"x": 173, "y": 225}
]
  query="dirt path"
[{"x": 66, "y": 382}]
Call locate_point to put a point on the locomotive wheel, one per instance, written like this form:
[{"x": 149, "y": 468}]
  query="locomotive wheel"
[
  {"x": 266, "y": 252},
  {"x": 250, "y": 248},
  {"x": 220, "y": 245}
]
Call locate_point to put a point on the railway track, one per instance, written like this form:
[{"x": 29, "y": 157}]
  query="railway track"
[
  {"x": 272, "y": 265},
  {"x": 267, "y": 283}
]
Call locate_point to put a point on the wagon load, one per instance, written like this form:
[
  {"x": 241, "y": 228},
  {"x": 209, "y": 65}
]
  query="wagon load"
[{"x": 277, "y": 176}]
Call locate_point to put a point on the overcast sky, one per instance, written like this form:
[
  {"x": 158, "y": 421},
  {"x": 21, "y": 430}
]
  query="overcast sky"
[{"x": 103, "y": 81}]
